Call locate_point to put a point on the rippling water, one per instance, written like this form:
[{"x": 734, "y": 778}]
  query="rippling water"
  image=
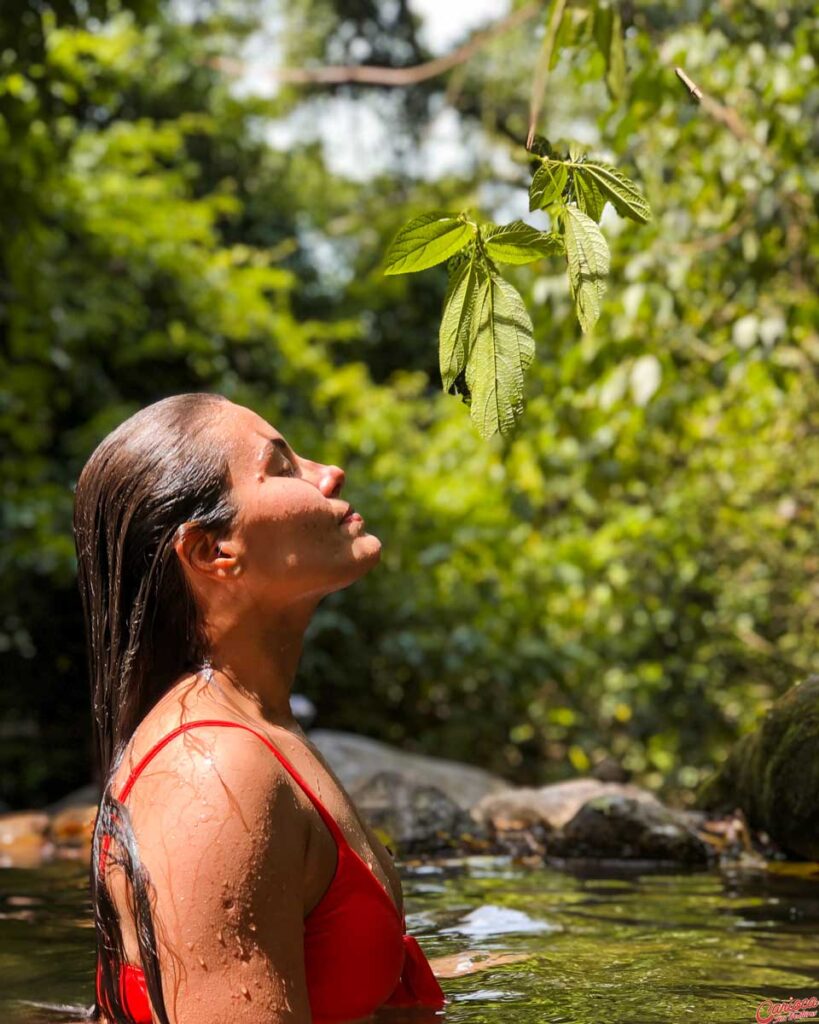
[{"x": 604, "y": 946}]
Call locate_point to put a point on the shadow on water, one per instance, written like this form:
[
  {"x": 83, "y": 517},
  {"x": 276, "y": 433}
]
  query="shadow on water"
[{"x": 602, "y": 943}]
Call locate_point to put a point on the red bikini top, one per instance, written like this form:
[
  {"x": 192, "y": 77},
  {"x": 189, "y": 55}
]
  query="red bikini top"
[{"x": 357, "y": 954}]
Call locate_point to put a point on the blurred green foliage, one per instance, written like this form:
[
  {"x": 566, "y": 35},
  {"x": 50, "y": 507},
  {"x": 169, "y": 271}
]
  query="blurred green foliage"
[{"x": 633, "y": 573}]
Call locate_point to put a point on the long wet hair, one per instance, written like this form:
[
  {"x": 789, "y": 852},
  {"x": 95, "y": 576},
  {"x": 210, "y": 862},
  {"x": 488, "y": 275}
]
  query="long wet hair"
[{"x": 159, "y": 469}]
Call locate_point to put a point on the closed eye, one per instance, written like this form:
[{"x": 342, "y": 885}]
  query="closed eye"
[
  {"x": 277, "y": 448},
  {"x": 288, "y": 469}
]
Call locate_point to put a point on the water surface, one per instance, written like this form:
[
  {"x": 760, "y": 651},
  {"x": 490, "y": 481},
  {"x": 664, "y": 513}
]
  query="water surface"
[{"x": 634, "y": 947}]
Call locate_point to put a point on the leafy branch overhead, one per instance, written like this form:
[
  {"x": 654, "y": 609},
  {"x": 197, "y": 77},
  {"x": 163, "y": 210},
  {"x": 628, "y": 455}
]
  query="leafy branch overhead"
[{"x": 486, "y": 338}]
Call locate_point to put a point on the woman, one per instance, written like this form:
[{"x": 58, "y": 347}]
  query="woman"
[{"x": 232, "y": 878}]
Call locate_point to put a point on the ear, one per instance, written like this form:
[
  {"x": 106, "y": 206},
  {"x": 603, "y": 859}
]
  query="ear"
[{"x": 203, "y": 554}]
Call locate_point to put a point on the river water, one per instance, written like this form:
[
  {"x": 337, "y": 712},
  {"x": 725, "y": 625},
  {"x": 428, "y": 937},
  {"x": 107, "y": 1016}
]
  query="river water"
[{"x": 614, "y": 946}]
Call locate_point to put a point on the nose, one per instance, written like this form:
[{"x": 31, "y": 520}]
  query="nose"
[{"x": 331, "y": 480}]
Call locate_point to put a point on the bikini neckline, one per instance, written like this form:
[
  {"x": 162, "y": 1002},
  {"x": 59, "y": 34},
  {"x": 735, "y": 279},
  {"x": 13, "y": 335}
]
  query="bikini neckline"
[{"x": 324, "y": 814}]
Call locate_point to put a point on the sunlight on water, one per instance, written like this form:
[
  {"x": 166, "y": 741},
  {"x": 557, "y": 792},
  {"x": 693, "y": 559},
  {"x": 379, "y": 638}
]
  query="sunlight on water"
[{"x": 622, "y": 948}]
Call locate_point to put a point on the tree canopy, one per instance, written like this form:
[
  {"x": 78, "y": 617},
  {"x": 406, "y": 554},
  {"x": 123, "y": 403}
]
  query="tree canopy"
[{"x": 630, "y": 571}]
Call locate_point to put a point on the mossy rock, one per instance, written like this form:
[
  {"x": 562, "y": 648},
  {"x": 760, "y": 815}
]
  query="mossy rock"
[{"x": 773, "y": 774}]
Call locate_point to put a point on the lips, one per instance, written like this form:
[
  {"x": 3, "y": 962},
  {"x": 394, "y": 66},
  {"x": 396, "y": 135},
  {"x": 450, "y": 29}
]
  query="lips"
[{"x": 351, "y": 516}]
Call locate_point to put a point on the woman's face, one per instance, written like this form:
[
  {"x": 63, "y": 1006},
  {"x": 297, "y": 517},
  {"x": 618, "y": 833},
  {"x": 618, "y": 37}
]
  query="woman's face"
[{"x": 291, "y": 539}]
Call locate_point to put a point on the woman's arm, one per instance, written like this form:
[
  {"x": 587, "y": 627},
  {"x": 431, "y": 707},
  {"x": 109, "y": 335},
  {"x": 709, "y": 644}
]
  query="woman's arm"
[
  {"x": 470, "y": 961},
  {"x": 223, "y": 837}
]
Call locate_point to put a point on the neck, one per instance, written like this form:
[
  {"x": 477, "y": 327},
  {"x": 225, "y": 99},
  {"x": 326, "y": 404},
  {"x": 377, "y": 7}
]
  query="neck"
[{"x": 254, "y": 664}]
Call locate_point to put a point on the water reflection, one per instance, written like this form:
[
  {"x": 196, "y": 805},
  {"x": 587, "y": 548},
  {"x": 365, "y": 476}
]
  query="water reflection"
[{"x": 489, "y": 921}]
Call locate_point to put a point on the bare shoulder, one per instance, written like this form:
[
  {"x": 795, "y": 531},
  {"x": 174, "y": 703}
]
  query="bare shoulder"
[
  {"x": 216, "y": 774},
  {"x": 222, "y": 837},
  {"x": 186, "y": 743},
  {"x": 173, "y": 736}
]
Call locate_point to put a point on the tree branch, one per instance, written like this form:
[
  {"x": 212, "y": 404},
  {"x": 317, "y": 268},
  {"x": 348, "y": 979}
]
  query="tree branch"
[
  {"x": 724, "y": 115},
  {"x": 365, "y": 74}
]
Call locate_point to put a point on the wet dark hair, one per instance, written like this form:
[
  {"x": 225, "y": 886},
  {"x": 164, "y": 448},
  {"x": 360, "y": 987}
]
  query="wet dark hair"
[{"x": 159, "y": 469}]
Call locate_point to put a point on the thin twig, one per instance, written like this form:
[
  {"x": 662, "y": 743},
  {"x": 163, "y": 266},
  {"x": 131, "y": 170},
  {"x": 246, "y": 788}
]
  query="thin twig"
[
  {"x": 543, "y": 67},
  {"x": 796, "y": 202},
  {"x": 723, "y": 114},
  {"x": 365, "y": 74}
]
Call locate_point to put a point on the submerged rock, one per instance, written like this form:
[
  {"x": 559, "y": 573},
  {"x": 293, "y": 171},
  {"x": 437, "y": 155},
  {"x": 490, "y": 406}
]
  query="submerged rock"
[{"x": 772, "y": 775}]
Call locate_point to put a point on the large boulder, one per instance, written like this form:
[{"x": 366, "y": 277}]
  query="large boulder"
[
  {"x": 415, "y": 818},
  {"x": 772, "y": 774},
  {"x": 589, "y": 818},
  {"x": 553, "y": 805},
  {"x": 356, "y": 759},
  {"x": 622, "y": 827}
]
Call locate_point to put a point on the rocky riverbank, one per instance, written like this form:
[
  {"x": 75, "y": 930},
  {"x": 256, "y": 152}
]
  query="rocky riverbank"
[{"x": 753, "y": 810}]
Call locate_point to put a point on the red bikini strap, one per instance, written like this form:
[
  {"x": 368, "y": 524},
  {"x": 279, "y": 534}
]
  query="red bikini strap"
[{"x": 328, "y": 819}]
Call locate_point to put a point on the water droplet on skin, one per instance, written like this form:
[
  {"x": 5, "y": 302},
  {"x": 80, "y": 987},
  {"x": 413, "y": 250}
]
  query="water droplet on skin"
[
  {"x": 202, "y": 964},
  {"x": 245, "y": 991},
  {"x": 189, "y": 945},
  {"x": 219, "y": 937}
]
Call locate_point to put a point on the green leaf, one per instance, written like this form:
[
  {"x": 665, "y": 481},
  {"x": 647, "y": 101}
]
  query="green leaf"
[
  {"x": 603, "y": 24},
  {"x": 425, "y": 241},
  {"x": 588, "y": 257},
  {"x": 547, "y": 184},
  {"x": 608, "y": 33},
  {"x": 503, "y": 348},
  {"x": 459, "y": 322},
  {"x": 519, "y": 243},
  {"x": 616, "y": 61},
  {"x": 566, "y": 36},
  {"x": 620, "y": 191},
  {"x": 589, "y": 197}
]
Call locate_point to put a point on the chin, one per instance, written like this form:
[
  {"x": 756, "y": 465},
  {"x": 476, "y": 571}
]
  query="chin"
[
  {"x": 366, "y": 554},
  {"x": 368, "y": 548},
  {"x": 365, "y": 558}
]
